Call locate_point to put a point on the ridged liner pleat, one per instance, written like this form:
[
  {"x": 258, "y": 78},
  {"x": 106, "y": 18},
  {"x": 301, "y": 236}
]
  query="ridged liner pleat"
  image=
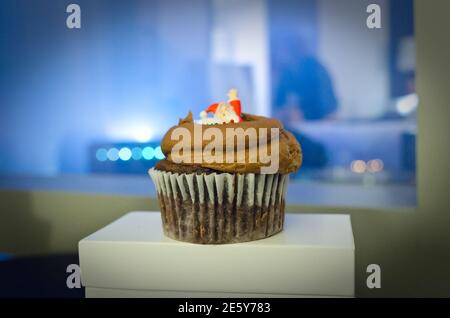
[{"x": 220, "y": 208}]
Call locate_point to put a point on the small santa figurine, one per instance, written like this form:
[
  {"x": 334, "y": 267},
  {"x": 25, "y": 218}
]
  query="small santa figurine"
[{"x": 224, "y": 112}]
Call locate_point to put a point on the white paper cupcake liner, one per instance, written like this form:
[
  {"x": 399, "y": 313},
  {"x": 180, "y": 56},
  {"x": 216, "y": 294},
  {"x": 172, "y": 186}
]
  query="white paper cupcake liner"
[{"x": 220, "y": 208}]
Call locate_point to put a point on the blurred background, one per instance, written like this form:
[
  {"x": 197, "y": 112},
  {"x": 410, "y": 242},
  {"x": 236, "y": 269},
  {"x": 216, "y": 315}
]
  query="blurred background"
[
  {"x": 96, "y": 100},
  {"x": 82, "y": 112}
]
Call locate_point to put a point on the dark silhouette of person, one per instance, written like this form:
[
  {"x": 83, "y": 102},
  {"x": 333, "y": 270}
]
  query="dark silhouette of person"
[
  {"x": 303, "y": 91},
  {"x": 306, "y": 87}
]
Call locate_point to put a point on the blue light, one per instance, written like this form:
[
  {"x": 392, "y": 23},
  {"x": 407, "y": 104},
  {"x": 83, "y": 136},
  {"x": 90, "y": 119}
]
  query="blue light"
[
  {"x": 136, "y": 153},
  {"x": 125, "y": 154},
  {"x": 113, "y": 154},
  {"x": 158, "y": 153},
  {"x": 148, "y": 153},
  {"x": 101, "y": 154}
]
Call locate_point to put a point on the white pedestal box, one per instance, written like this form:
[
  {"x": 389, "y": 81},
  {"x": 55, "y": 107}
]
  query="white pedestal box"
[{"x": 312, "y": 256}]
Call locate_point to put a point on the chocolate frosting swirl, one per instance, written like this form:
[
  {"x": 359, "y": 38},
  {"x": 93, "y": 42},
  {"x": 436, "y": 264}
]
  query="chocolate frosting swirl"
[{"x": 290, "y": 155}]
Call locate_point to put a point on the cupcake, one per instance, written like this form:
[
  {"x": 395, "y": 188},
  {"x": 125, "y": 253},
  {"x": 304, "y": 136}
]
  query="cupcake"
[{"x": 224, "y": 177}]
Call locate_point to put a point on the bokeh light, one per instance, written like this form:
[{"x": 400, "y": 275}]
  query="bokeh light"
[
  {"x": 375, "y": 165},
  {"x": 148, "y": 153},
  {"x": 136, "y": 153},
  {"x": 407, "y": 104},
  {"x": 158, "y": 153},
  {"x": 358, "y": 166},
  {"x": 101, "y": 154},
  {"x": 113, "y": 154},
  {"x": 125, "y": 154}
]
